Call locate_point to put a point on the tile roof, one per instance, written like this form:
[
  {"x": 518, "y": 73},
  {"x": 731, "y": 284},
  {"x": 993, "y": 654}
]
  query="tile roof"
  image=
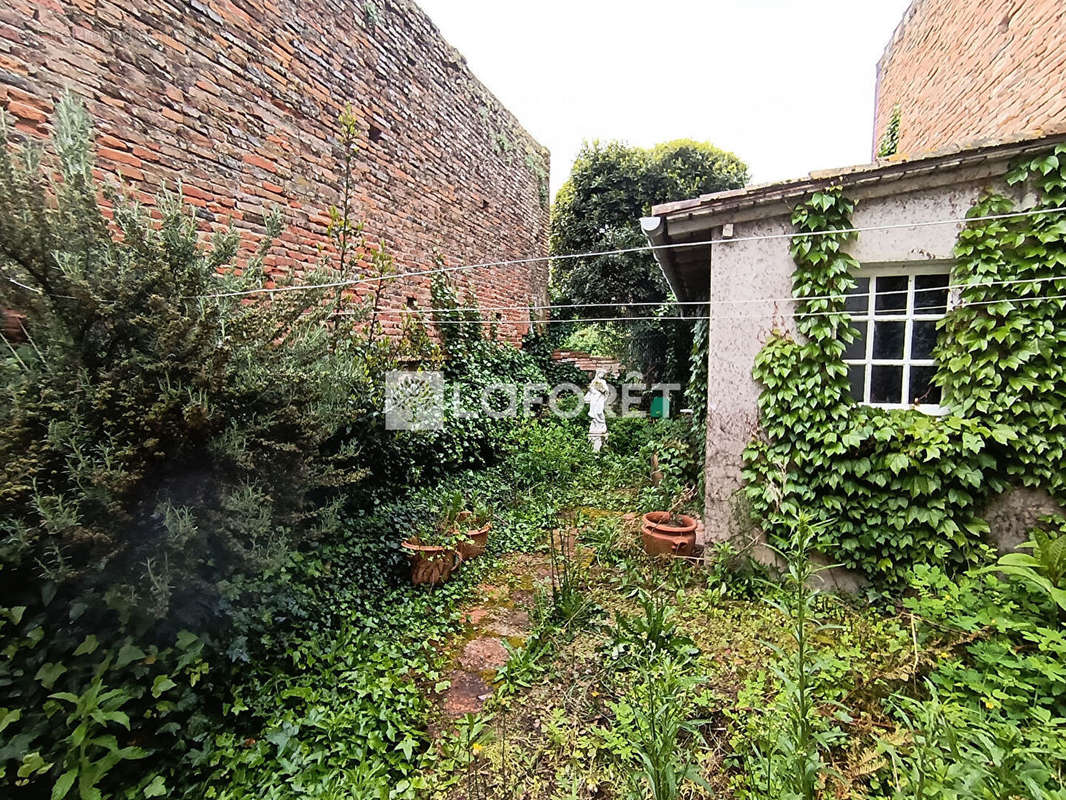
[{"x": 883, "y": 169}]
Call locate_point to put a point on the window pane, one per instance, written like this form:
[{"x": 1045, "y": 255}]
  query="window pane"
[
  {"x": 922, "y": 389},
  {"x": 890, "y": 294},
  {"x": 888, "y": 339},
  {"x": 886, "y": 384},
  {"x": 858, "y": 298},
  {"x": 857, "y": 379},
  {"x": 857, "y": 349},
  {"x": 930, "y": 294},
  {"x": 923, "y": 339}
]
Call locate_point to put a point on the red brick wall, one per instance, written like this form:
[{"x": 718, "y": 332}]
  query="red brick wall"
[
  {"x": 589, "y": 363},
  {"x": 962, "y": 70},
  {"x": 239, "y": 100}
]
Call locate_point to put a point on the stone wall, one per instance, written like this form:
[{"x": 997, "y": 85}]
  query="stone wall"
[
  {"x": 961, "y": 70},
  {"x": 239, "y": 100}
]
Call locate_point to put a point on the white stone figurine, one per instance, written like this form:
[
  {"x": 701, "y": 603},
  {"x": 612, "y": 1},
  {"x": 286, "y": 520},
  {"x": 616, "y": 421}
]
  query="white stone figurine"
[{"x": 596, "y": 397}]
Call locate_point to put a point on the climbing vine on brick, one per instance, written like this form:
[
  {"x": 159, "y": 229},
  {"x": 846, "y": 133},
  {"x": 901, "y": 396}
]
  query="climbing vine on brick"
[{"x": 903, "y": 487}]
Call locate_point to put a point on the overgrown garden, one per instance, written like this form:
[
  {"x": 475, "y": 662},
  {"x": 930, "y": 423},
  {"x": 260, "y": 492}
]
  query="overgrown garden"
[{"x": 202, "y": 516}]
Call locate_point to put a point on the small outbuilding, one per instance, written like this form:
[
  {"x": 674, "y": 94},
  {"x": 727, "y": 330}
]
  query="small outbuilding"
[{"x": 733, "y": 250}]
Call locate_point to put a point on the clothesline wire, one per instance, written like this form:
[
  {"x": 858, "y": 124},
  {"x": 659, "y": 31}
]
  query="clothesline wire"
[
  {"x": 621, "y": 251},
  {"x": 625, "y": 250},
  {"x": 879, "y": 293},
  {"x": 889, "y": 316}
]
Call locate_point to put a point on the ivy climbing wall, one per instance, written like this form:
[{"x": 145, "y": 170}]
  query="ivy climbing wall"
[
  {"x": 784, "y": 434},
  {"x": 899, "y": 487},
  {"x": 239, "y": 101}
]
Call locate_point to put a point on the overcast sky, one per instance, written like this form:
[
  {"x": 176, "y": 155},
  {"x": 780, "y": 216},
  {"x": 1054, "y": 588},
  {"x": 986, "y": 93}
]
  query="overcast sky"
[{"x": 787, "y": 85}]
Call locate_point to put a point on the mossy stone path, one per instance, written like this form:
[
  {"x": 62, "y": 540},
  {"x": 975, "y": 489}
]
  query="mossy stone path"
[{"x": 500, "y": 613}]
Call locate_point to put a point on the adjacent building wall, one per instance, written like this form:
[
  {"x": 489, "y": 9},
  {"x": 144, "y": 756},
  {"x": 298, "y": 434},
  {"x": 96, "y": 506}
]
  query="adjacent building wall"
[
  {"x": 962, "y": 70},
  {"x": 748, "y": 280},
  {"x": 239, "y": 100}
]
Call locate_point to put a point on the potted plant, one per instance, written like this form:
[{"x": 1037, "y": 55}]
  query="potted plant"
[
  {"x": 669, "y": 532},
  {"x": 474, "y": 529},
  {"x": 430, "y": 563},
  {"x": 434, "y": 552}
]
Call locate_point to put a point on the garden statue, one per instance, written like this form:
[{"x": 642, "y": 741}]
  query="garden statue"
[{"x": 596, "y": 397}]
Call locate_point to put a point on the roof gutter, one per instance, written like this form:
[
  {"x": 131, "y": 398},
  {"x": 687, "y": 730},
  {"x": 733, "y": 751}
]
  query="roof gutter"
[{"x": 654, "y": 229}]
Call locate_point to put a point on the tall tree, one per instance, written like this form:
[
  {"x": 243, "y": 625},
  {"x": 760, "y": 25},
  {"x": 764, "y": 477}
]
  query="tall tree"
[{"x": 610, "y": 187}]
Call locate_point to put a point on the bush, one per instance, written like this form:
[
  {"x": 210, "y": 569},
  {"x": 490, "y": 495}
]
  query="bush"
[{"x": 176, "y": 454}]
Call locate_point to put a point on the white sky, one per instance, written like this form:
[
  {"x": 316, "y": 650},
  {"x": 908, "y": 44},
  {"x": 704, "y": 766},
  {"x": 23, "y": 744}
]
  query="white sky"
[{"x": 787, "y": 85}]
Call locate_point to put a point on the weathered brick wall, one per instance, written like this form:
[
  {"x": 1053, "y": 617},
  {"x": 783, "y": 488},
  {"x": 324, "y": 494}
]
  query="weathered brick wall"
[
  {"x": 239, "y": 99},
  {"x": 589, "y": 363},
  {"x": 962, "y": 70}
]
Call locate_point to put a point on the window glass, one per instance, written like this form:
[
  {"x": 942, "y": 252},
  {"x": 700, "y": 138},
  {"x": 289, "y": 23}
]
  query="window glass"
[
  {"x": 857, "y": 379},
  {"x": 889, "y": 338},
  {"x": 923, "y": 338},
  {"x": 858, "y": 299},
  {"x": 922, "y": 389},
  {"x": 930, "y": 294},
  {"x": 886, "y": 384},
  {"x": 896, "y": 368},
  {"x": 890, "y": 294}
]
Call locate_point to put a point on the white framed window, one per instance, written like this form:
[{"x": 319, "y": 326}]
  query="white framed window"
[{"x": 896, "y": 311}]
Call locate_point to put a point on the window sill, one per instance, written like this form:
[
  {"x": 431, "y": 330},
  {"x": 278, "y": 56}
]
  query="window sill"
[{"x": 925, "y": 408}]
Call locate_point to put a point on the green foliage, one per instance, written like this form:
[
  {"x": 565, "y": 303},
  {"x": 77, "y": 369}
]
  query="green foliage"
[
  {"x": 595, "y": 339},
  {"x": 905, "y": 488},
  {"x": 794, "y": 739},
  {"x": 1045, "y": 566},
  {"x": 655, "y": 718},
  {"x": 1001, "y": 357},
  {"x": 889, "y": 142},
  {"x": 610, "y": 187},
  {"x": 677, "y": 452},
  {"x": 992, "y": 720},
  {"x": 642, "y": 639},
  {"x": 84, "y": 708},
  {"x": 158, "y": 437},
  {"x": 540, "y": 452}
]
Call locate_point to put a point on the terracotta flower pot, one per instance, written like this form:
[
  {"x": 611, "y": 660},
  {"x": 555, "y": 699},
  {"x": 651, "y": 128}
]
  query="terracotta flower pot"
[
  {"x": 661, "y": 538},
  {"x": 475, "y": 542},
  {"x": 431, "y": 564},
  {"x": 667, "y": 544},
  {"x": 659, "y": 522}
]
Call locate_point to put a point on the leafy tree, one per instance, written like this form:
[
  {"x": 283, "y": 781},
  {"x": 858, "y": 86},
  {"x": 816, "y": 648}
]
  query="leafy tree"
[{"x": 599, "y": 208}]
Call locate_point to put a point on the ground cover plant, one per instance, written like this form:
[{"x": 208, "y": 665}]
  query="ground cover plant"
[
  {"x": 206, "y": 596},
  {"x": 190, "y": 477}
]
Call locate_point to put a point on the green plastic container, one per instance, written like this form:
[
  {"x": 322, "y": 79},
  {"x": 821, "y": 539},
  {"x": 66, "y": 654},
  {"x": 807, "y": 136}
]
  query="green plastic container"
[{"x": 660, "y": 407}]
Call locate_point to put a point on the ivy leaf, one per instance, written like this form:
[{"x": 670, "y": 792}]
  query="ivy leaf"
[
  {"x": 128, "y": 654},
  {"x": 157, "y": 788},
  {"x": 1004, "y": 434},
  {"x": 1046, "y": 165},
  {"x": 8, "y": 716},
  {"x": 161, "y": 684},
  {"x": 88, "y": 645},
  {"x": 897, "y": 462},
  {"x": 49, "y": 673}
]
